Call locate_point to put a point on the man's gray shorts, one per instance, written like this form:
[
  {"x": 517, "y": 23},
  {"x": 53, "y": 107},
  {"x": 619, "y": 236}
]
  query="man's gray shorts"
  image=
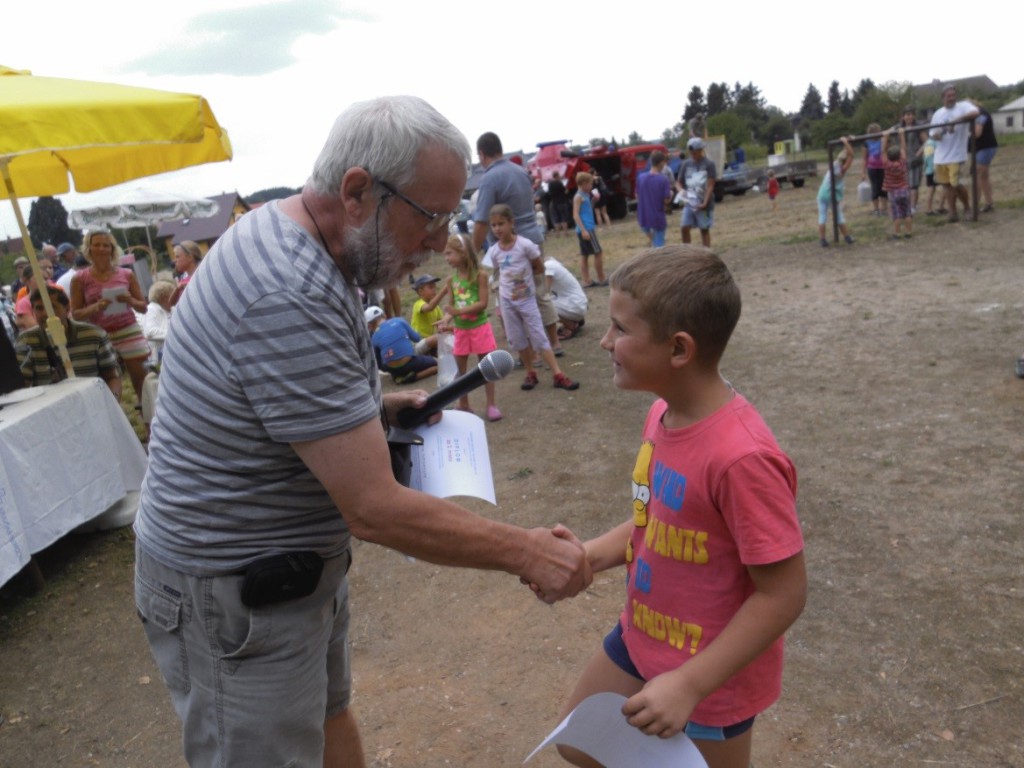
[{"x": 252, "y": 686}]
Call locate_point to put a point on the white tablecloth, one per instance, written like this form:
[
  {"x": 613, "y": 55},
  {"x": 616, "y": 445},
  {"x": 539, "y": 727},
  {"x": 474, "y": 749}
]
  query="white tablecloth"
[{"x": 68, "y": 459}]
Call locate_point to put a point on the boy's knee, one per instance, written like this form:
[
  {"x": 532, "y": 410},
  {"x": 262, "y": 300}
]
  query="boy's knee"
[{"x": 576, "y": 757}]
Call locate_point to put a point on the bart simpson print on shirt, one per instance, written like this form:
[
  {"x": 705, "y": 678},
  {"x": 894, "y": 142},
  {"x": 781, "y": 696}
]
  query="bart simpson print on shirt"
[{"x": 641, "y": 490}]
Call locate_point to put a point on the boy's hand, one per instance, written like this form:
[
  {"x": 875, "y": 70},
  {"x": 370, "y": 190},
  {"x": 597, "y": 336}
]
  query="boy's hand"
[
  {"x": 585, "y": 234},
  {"x": 661, "y": 708}
]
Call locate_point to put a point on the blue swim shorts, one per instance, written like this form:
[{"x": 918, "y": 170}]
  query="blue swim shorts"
[{"x": 615, "y": 649}]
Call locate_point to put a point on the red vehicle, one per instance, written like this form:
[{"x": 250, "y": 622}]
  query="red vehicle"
[
  {"x": 552, "y": 156},
  {"x": 618, "y": 166}
]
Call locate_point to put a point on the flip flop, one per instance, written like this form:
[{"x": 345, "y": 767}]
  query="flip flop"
[
  {"x": 592, "y": 284},
  {"x": 1019, "y": 368}
]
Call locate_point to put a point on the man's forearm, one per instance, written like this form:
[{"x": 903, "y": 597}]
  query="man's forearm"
[{"x": 479, "y": 235}]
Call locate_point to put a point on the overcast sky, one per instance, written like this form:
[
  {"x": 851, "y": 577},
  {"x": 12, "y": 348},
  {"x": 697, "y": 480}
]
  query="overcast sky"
[{"x": 277, "y": 73}]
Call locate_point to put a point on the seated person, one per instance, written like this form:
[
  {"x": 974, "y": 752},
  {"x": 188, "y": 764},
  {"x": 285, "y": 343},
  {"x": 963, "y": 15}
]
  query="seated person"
[
  {"x": 158, "y": 315},
  {"x": 88, "y": 347},
  {"x": 568, "y": 296},
  {"x": 393, "y": 345},
  {"x": 426, "y": 313},
  {"x": 45, "y": 269}
]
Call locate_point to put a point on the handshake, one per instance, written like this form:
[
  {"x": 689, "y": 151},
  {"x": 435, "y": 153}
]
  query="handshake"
[{"x": 557, "y": 567}]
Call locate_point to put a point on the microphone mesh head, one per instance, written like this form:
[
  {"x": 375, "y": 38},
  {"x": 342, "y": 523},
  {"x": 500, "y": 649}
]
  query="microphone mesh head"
[{"x": 497, "y": 365}]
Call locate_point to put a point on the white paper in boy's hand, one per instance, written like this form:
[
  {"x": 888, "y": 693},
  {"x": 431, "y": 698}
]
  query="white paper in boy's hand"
[
  {"x": 598, "y": 727},
  {"x": 115, "y": 307},
  {"x": 453, "y": 460}
]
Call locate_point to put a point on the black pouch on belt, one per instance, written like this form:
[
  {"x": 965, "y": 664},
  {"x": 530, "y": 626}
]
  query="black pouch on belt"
[{"x": 278, "y": 578}]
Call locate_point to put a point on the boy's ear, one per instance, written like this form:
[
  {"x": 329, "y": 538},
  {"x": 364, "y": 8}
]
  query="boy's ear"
[{"x": 684, "y": 349}]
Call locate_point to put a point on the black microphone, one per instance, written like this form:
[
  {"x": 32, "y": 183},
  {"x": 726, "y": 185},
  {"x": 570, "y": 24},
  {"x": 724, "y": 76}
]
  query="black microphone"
[{"x": 495, "y": 365}]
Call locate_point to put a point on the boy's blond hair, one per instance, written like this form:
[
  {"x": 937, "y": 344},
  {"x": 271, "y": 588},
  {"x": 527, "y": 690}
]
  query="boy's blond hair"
[
  {"x": 583, "y": 177},
  {"x": 683, "y": 288},
  {"x": 161, "y": 289}
]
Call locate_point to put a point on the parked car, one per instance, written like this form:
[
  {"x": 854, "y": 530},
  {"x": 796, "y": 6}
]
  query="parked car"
[{"x": 736, "y": 179}]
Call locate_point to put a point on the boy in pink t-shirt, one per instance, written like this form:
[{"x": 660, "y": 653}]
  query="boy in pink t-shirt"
[{"x": 713, "y": 549}]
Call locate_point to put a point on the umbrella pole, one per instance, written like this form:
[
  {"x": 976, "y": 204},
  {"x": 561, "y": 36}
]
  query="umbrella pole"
[{"x": 54, "y": 328}]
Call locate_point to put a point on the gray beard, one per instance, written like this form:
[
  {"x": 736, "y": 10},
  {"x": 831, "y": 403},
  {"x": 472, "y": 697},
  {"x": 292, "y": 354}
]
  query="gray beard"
[{"x": 377, "y": 264}]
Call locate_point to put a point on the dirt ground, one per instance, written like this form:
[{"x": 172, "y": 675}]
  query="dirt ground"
[{"x": 886, "y": 371}]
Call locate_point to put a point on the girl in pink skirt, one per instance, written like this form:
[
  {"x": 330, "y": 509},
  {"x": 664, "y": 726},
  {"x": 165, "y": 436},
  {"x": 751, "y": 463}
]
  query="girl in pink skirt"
[{"x": 467, "y": 312}]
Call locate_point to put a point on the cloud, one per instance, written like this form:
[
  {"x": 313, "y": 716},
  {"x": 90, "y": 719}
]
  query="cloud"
[{"x": 245, "y": 42}]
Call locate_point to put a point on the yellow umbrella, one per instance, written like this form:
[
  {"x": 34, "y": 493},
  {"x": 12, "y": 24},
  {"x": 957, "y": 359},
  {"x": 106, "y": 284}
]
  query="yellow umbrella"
[{"x": 101, "y": 134}]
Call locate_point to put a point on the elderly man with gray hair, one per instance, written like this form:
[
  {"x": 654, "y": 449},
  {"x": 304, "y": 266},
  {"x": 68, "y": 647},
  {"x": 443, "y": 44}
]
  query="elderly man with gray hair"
[{"x": 268, "y": 453}]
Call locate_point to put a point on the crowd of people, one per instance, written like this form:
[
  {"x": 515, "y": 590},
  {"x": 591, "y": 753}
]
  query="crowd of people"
[
  {"x": 241, "y": 572},
  {"x": 110, "y": 327}
]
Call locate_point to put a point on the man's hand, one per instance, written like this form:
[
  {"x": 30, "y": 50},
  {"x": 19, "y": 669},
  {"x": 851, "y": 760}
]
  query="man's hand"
[
  {"x": 558, "y": 566},
  {"x": 413, "y": 398}
]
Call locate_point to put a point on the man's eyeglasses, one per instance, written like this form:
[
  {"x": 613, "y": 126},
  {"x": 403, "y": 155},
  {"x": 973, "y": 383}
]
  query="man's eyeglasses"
[{"x": 435, "y": 221}]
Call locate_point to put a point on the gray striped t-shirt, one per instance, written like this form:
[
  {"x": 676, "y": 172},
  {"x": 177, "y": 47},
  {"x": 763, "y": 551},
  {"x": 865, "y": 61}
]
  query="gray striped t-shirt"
[{"x": 268, "y": 346}]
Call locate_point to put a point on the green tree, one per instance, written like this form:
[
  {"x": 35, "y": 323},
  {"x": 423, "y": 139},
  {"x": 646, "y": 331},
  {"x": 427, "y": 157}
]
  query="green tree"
[
  {"x": 835, "y": 99},
  {"x": 695, "y": 104},
  {"x": 882, "y": 105},
  {"x": 750, "y": 105},
  {"x": 865, "y": 87},
  {"x": 748, "y": 94},
  {"x": 846, "y": 106},
  {"x": 729, "y": 124},
  {"x": 670, "y": 137},
  {"x": 812, "y": 107},
  {"x": 48, "y": 223},
  {"x": 719, "y": 98},
  {"x": 634, "y": 139},
  {"x": 832, "y": 126},
  {"x": 777, "y": 127}
]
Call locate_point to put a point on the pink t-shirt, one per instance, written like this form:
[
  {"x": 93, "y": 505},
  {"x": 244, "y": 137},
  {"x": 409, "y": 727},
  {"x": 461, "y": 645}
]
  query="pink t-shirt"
[
  {"x": 93, "y": 292},
  {"x": 23, "y": 306},
  {"x": 709, "y": 499}
]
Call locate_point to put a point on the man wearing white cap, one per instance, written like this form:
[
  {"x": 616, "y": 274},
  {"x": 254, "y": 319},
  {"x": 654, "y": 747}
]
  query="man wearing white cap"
[{"x": 697, "y": 179}]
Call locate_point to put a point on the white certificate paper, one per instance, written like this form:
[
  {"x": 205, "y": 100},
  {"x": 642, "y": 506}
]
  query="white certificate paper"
[
  {"x": 453, "y": 460},
  {"x": 115, "y": 307},
  {"x": 598, "y": 727}
]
